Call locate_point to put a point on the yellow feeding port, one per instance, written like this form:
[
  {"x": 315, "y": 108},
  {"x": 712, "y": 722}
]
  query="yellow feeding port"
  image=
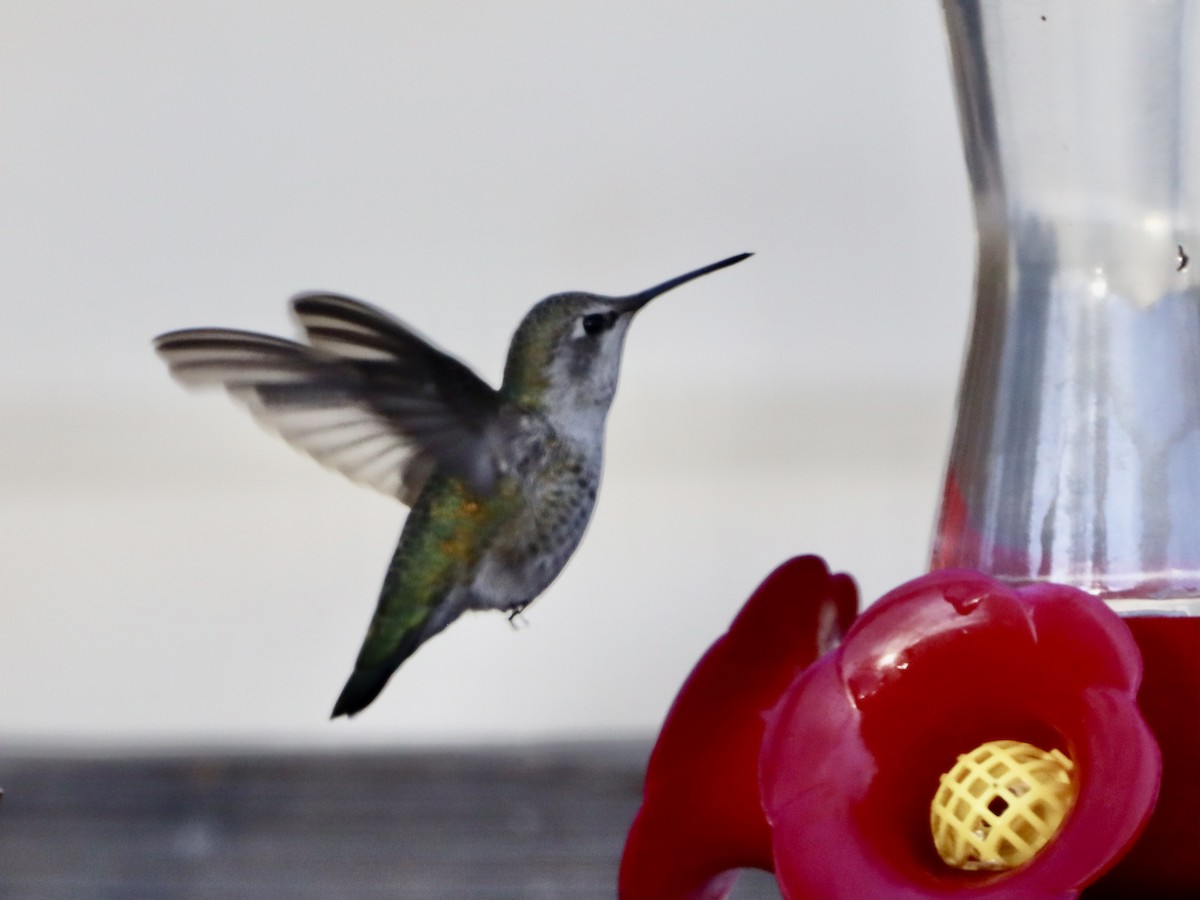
[{"x": 1000, "y": 805}]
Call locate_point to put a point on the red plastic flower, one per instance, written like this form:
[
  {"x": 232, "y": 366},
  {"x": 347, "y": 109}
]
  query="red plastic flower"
[
  {"x": 852, "y": 751},
  {"x": 701, "y": 818}
]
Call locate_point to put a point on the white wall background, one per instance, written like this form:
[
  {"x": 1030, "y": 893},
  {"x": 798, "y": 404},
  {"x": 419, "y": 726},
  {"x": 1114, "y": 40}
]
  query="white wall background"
[{"x": 171, "y": 574}]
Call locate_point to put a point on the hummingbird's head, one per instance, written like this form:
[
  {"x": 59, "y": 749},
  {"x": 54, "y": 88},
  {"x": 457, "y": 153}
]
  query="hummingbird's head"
[{"x": 566, "y": 353}]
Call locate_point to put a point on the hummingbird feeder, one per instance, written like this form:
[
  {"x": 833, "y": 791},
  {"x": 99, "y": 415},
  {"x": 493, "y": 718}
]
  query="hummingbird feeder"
[{"x": 1000, "y": 727}]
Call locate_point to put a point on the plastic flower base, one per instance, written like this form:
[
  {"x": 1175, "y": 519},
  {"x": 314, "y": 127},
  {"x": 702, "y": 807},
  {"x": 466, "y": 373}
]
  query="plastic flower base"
[
  {"x": 701, "y": 818},
  {"x": 824, "y": 768}
]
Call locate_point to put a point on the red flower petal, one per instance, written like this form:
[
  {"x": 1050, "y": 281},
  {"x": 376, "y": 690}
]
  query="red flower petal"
[
  {"x": 701, "y": 816},
  {"x": 852, "y": 755}
]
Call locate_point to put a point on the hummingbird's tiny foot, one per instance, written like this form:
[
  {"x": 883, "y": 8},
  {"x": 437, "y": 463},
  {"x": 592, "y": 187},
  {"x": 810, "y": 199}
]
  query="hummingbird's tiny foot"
[{"x": 516, "y": 619}]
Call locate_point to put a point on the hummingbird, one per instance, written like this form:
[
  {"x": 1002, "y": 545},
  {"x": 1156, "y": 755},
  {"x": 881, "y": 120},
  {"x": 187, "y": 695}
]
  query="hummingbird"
[{"x": 500, "y": 483}]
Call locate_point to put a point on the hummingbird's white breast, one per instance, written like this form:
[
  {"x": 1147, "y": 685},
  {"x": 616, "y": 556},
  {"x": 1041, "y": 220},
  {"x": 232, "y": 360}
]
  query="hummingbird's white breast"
[{"x": 557, "y": 478}]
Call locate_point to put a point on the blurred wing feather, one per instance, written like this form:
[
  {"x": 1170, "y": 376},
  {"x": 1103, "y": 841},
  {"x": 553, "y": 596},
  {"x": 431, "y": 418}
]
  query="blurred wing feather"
[{"x": 366, "y": 396}]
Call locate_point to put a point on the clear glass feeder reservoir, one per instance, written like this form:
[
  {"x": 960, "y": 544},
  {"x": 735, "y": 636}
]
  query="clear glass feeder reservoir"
[
  {"x": 1076, "y": 457},
  {"x": 1077, "y": 454}
]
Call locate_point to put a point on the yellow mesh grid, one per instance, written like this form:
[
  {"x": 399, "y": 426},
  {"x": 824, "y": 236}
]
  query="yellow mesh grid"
[{"x": 1000, "y": 804}]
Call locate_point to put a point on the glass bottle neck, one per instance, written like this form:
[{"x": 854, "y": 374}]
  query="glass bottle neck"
[{"x": 1076, "y": 456}]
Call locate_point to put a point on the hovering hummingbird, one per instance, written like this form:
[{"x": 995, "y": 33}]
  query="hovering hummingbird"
[{"x": 501, "y": 483}]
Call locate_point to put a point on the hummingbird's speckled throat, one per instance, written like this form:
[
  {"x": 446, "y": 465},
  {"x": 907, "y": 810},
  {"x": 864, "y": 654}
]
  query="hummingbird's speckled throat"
[{"x": 502, "y": 483}]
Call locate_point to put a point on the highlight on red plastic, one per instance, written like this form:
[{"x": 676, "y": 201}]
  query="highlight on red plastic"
[
  {"x": 853, "y": 755},
  {"x": 701, "y": 818}
]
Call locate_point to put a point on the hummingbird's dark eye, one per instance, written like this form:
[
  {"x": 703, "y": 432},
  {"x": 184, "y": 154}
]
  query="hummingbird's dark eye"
[{"x": 594, "y": 323}]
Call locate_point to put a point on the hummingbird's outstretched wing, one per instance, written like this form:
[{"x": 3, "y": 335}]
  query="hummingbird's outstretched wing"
[{"x": 366, "y": 396}]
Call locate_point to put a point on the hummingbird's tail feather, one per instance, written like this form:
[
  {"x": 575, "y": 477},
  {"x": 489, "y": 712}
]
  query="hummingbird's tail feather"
[
  {"x": 363, "y": 687},
  {"x": 371, "y": 672},
  {"x": 367, "y": 680}
]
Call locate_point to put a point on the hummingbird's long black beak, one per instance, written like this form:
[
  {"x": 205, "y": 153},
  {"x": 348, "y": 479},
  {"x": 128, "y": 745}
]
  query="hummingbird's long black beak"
[{"x": 637, "y": 301}]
